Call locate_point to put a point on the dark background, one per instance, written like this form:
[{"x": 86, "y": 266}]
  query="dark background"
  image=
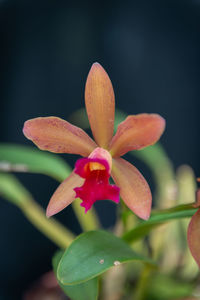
[{"x": 150, "y": 50}]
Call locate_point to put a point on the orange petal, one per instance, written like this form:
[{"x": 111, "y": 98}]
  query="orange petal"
[
  {"x": 134, "y": 189},
  {"x": 100, "y": 104},
  {"x": 59, "y": 136},
  {"x": 64, "y": 195},
  {"x": 193, "y": 236},
  {"x": 137, "y": 132}
]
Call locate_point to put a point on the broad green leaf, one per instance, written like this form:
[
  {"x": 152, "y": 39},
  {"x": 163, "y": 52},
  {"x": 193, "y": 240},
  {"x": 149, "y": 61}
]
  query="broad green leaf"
[
  {"x": 159, "y": 218},
  {"x": 83, "y": 291},
  {"x": 29, "y": 159},
  {"x": 91, "y": 254},
  {"x": 12, "y": 190}
]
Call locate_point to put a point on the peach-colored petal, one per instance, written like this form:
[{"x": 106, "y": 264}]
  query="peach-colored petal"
[
  {"x": 100, "y": 104},
  {"x": 193, "y": 236},
  {"x": 134, "y": 190},
  {"x": 64, "y": 195},
  {"x": 59, "y": 136},
  {"x": 137, "y": 132}
]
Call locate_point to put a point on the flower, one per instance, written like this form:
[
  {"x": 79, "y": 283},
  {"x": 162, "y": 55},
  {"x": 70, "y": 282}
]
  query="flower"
[
  {"x": 90, "y": 179},
  {"x": 193, "y": 232}
]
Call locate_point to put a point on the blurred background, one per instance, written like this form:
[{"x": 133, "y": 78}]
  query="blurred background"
[{"x": 150, "y": 50}]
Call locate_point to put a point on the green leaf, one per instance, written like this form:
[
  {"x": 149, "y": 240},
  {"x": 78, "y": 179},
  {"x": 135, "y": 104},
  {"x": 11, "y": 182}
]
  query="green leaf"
[
  {"x": 12, "y": 190},
  {"x": 84, "y": 291},
  {"x": 29, "y": 159},
  {"x": 91, "y": 254},
  {"x": 159, "y": 218}
]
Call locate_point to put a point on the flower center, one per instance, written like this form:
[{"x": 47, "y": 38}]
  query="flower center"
[{"x": 93, "y": 166}]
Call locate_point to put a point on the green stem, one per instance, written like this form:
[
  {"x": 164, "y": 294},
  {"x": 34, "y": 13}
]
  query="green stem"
[
  {"x": 12, "y": 190},
  {"x": 158, "y": 218},
  {"x": 50, "y": 227},
  {"x": 87, "y": 221},
  {"x": 140, "y": 291}
]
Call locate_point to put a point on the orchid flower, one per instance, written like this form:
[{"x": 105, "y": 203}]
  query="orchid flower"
[
  {"x": 193, "y": 233},
  {"x": 89, "y": 180}
]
